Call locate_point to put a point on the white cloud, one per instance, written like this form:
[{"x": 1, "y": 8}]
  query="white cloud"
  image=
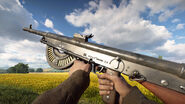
[
  {"x": 48, "y": 23},
  {"x": 172, "y": 51},
  {"x": 165, "y": 8},
  {"x": 18, "y": 2},
  {"x": 171, "y": 47},
  {"x": 123, "y": 27},
  {"x": 180, "y": 26},
  {"x": 32, "y": 53},
  {"x": 14, "y": 17},
  {"x": 17, "y": 45},
  {"x": 180, "y": 37},
  {"x": 175, "y": 59},
  {"x": 165, "y": 15},
  {"x": 120, "y": 26},
  {"x": 58, "y": 32},
  {"x": 175, "y": 20}
]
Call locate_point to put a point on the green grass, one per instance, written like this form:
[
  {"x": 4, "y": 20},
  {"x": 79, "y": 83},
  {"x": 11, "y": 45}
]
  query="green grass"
[
  {"x": 24, "y": 88},
  {"x": 91, "y": 96},
  {"x": 14, "y": 95}
]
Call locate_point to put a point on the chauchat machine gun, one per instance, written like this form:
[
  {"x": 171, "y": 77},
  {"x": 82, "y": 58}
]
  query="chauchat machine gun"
[{"x": 62, "y": 51}]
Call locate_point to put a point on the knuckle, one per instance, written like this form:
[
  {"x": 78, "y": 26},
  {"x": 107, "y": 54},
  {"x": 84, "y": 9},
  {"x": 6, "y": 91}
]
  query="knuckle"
[
  {"x": 100, "y": 81},
  {"x": 107, "y": 82},
  {"x": 100, "y": 87}
]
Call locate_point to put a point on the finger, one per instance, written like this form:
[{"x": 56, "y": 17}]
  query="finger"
[
  {"x": 105, "y": 82},
  {"x": 103, "y": 92},
  {"x": 105, "y": 76},
  {"x": 105, "y": 87}
]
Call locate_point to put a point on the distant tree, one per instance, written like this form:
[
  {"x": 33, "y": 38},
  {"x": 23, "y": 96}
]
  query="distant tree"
[
  {"x": 11, "y": 70},
  {"x": 31, "y": 70},
  {"x": 19, "y": 68},
  {"x": 39, "y": 70}
]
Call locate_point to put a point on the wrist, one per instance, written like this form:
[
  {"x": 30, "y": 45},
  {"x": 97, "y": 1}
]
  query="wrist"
[
  {"x": 124, "y": 88},
  {"x": 125, "y": 92}
]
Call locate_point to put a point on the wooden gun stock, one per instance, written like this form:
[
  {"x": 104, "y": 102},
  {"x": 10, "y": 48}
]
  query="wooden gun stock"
[{"x": 168, "y": 96}]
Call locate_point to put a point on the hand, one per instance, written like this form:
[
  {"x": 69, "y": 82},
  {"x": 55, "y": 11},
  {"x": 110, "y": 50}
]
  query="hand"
[
  {"x": 79, "y": 65},
  {"x": 107, "y": 82}
]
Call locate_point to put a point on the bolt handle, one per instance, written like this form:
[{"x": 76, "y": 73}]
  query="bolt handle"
[{"x": 113, "y": 97}]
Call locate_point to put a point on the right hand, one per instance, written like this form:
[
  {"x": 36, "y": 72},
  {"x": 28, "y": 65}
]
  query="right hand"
[{"x": 107, "y": 82}]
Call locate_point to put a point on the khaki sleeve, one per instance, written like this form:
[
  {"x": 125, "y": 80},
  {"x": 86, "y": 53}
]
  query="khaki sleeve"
[
  {"x": 136, "y": 97},
  {"x": 69, "y": 92}
]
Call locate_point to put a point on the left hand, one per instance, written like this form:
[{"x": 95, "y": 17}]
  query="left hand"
[{"x": 79, "y": 65}]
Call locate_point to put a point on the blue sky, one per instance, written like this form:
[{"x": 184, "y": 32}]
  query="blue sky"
[
  {"x": 56, "y": 12},
  {"x": 150, "y": 27}
]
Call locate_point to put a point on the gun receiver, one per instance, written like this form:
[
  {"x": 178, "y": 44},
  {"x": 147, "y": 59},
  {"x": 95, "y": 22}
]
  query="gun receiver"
[{"x": 138, "y": 67}]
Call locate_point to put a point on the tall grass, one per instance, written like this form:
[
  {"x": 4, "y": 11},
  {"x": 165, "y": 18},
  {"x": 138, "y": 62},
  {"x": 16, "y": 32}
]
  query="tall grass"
[{"x": 37, "y": 83}]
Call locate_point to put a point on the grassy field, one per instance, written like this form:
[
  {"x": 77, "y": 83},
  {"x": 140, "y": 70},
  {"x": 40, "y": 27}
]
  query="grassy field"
[{"x": 24, "y": 88}]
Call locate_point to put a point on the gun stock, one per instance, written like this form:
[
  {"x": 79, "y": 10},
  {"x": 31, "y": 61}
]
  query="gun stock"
[{"x": 168, "y": 96}]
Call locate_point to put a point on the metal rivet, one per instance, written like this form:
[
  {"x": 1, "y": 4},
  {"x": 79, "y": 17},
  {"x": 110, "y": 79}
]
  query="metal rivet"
[
  {"x": 107, "y": 97},
  {"x": 135, "y": 73},
  {"x": 182, "y": 87},
  {"x": 164, "y": 82},
  {"x": 61, "y": 46}
]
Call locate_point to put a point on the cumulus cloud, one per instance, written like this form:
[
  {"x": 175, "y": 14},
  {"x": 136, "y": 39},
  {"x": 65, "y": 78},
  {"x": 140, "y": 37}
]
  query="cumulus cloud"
[
  {"x": 49, "y": 24},
  {"x": 17, "y": 45},
  {"x": 25, "y": 51},
  {"x": 122, "y": 25},
  {"x": 173, "y": 51},
  {"x": 119, "y": 26},
  {"x": 165, "y": 8},
  {"x": 180, "y": 26},
  {"x": 171, "y": 47},
  {"x": 165, "y": 15},
  {"x": 14, "y": 17}
]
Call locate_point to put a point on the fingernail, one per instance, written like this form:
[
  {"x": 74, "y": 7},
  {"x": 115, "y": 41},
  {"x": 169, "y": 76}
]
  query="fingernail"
[
  {"x": 108, "y": 92},
  {"x": 111, "y": 83}
]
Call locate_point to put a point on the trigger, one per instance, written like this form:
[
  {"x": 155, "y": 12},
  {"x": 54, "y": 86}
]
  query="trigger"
[{"x": 101, "y": 69}]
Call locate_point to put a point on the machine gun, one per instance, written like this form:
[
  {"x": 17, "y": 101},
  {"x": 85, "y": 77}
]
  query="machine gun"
[{"x": 62, "y": 51}]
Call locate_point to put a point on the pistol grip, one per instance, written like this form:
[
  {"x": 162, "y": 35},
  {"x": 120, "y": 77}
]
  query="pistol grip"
[{"x": 113, "y": 97}]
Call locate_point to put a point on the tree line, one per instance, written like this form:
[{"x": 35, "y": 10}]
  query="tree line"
[{"x": 22, "y": 68}]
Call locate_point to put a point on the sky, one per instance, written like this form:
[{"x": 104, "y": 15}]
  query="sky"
[{"x": 149, "y": 27}]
